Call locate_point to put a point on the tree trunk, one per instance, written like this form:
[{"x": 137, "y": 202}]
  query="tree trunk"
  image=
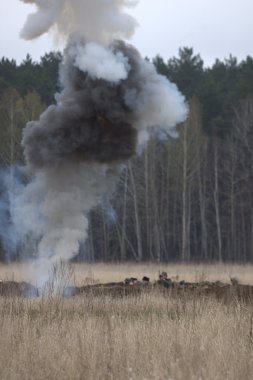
[
  {"x": 136, "y": 213},
  {"x": 216, "y": 201}
]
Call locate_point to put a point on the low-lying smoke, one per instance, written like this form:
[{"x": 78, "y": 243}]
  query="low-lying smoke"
[{"x": 110, "y": 99}]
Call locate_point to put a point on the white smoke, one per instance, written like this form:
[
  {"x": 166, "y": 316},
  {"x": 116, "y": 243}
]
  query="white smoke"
[
  {"x": 96, "y": 20},
  {"x": 40, "y": 22},
  {"x": 101, "y": 63},
  {"x": 159, "y": 104},
  {"x": 110, "y": 99}
]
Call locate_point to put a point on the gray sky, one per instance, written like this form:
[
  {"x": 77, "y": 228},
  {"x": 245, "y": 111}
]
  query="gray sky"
[{"x": 214, "y": 28}]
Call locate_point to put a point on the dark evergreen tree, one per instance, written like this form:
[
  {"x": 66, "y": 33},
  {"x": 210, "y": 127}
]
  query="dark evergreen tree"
[
  {"x": 186, "y": 71},
  {"x": 48, "y": 83}
]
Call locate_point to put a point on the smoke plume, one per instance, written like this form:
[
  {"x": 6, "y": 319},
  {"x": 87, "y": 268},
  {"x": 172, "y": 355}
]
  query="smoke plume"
[{"x": 110, "y": 99}]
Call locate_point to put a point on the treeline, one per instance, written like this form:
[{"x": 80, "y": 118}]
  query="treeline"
[
  {"x": 185, "y": 198},
  {"x": 29, "y": 76}
]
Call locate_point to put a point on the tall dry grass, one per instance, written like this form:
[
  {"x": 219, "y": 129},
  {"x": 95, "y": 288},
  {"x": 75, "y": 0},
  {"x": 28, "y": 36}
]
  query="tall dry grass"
[
  {"x": 136, "y": 337},
  {"x": 147, "y": 336}
]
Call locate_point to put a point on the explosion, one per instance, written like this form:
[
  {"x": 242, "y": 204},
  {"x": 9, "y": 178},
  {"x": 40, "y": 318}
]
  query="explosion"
[{"x": 110, "y": 99}]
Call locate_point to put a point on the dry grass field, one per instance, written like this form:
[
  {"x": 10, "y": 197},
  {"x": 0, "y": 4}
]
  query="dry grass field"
[{"x": 145, "y": 336}]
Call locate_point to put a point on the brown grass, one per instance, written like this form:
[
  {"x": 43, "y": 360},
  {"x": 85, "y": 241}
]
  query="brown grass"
[
  {"x": 95, "y": 273},
  {"x": 149, "y": 336}
]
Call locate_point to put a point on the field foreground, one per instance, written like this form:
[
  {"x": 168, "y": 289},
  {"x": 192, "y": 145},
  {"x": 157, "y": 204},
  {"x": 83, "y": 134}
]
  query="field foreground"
[{"x": 155, "y": 333}]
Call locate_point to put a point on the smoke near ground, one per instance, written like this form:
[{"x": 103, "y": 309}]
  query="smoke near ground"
[{"x": 110, "y": 100}]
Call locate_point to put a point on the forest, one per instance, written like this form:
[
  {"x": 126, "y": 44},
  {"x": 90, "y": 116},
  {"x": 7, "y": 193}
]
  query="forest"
[{"x": 183, "y": 198}]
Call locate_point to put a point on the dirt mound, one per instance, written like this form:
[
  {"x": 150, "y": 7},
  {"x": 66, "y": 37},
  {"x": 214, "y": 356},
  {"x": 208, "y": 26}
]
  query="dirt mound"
[
  {"x": 219, "y": 290},
  {"x": 17, "y": 289},
  {"x": 131, "y": 286}
]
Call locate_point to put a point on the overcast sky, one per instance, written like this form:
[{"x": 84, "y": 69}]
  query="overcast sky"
[{"x": 214, "y": 28}]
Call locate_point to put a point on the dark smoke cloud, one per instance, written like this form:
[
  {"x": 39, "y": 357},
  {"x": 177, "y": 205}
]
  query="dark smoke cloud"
[{"x": 92, "y": 120}]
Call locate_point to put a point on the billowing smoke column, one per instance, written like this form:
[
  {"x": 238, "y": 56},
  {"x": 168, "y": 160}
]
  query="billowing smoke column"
[{"x": 110, "y": 99}]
